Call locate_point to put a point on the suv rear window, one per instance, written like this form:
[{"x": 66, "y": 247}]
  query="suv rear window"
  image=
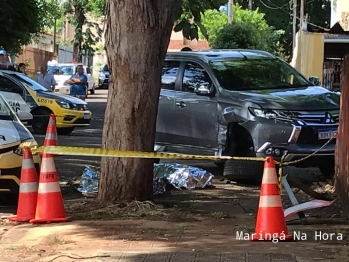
[{"x": 257, "y": 74}]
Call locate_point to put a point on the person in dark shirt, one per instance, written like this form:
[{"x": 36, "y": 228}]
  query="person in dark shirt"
[
  {"x": 78, "y": 83},
  {"x": 21, "y": 68}
]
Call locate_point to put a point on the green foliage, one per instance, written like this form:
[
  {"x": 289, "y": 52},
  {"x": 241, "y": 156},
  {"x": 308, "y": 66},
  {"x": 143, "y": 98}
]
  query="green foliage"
[
  {"x": 98, "y": 66},
  {"x": 20, "y": 20},
  {"x": 188, "y": 16},
  {"x": 27, "y": 62},
  {"x": 52, "y": 10},
  {"x": 213, "y": 21},
  {"x": 66, "y": 42},
  {"x": 97, "y": 7},
  {"x": 76, "y": 12},
  {"x": 249, "y": 30},
  {"x": 99, "y": 49},
  {"x": 278, "y": 13}
]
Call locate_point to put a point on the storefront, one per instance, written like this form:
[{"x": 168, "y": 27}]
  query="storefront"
[{"x": 336, "y": 45}]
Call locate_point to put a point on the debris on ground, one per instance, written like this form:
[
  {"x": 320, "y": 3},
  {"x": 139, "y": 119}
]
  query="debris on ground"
[
  {"x": 89, "y": 182},
  {"x": 324, "y": 188},
  {"x": 166, "y": 175},
  {"x": 91, "y": 210}
]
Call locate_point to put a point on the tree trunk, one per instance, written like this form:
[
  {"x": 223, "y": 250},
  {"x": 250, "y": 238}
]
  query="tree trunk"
[
  {"x": 342, "y": 146},
  {"x": 76, "y": 53},
  {"x": 80, "y": 18},
  {"x": 137, "y": 37}
]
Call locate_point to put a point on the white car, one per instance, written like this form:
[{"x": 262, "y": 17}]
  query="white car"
[
  {"x": 13, "y": 137},
  {"x": 62, "y": 72}
]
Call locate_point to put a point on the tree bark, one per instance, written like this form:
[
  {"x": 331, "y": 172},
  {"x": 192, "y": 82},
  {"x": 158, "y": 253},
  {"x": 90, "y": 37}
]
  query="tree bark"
[
  {"x": 79, "y": 17},
  {"x": 137, "y": 37},
  {"x": 342, "y": 146}
]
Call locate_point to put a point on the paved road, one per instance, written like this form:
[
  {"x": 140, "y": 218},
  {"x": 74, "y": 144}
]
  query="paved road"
[{"x": 71, "y": 166}]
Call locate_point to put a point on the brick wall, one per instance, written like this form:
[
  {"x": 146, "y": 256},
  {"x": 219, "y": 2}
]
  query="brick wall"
[{"x": 35, "y": 57}]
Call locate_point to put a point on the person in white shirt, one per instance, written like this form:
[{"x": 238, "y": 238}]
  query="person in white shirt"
[{"x": 45, "y": 78}]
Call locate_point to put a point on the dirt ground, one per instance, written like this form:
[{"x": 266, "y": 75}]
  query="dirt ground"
[
  {"x": 196, "y": 225},
  {"x": 189, "y": 221}
]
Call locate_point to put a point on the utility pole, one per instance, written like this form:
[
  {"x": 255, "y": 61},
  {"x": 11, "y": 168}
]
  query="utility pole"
[
  {"x": 54, "y": 35},
  {"x": 250, "y": 4},
  {"x": 294, "y": 23},
  {"x": 230, "y": 11},
  {"x": 301, "y": 15}
]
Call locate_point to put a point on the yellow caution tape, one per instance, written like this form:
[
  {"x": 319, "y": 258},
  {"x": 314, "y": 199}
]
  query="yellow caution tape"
[
  {"x": 281, "y": 163},
  {"x": 85, "y": 151}
]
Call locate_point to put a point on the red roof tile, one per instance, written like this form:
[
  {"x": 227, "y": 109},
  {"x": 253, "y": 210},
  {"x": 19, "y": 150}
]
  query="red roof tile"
[{"x": 178, "y": 45}]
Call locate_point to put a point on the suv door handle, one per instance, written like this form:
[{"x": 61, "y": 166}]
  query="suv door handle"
[{"x": 181, "y": 104}]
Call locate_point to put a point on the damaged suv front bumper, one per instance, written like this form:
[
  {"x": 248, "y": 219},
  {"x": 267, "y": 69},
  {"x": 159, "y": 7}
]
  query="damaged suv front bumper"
[{"x": 279, "y": 139}]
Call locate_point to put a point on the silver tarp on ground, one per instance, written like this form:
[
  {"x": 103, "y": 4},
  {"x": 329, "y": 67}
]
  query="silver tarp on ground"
[
  {"x": 165, "y": 174},
  {"x": 89, "y": 182}
]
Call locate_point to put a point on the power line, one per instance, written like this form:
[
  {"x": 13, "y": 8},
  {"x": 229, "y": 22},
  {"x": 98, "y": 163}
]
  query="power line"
[
  {"x": 279, "y": 7},
  {"x": 273, "y": 8},
  {"x": 289, "y": 13}
]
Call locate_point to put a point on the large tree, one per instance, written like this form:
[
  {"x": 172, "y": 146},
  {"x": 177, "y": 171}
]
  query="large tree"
[
  {"x": 248, "y": 30},
  {"x": 278, "y": 14},
  {"x": 137, "y": 37},
  {"x": 20, "y": 20},
  {"x": 77, "y": 13}
]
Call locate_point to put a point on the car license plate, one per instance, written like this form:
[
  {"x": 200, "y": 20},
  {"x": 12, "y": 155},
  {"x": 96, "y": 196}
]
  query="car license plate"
[
  {"x": 87, "y": 116},
  {"x": 326, "y": 134}
]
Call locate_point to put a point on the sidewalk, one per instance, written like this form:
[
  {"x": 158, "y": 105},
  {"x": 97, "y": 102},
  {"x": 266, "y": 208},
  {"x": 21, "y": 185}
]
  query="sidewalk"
[{"x": 208, "y": 239}]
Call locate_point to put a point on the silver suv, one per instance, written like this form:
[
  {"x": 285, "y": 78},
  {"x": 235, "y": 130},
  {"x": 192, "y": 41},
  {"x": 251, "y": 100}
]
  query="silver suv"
[{"x": 244, "y": 103}]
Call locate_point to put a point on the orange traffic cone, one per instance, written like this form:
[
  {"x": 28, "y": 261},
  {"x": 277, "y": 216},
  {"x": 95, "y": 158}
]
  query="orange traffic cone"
[
  {"x": 28, "y": 190},
  {"x": 271, "y": 223},
  {"x": 51, "y": 132},
  {"x": 50, "y": 206}
]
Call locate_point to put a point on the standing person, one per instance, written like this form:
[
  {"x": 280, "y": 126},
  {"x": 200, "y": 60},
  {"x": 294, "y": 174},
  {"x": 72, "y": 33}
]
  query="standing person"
[
  {"x": 21, "y": 68},
  {"x": 78, "y": 83},
  {"x": 4, "y": 63},
  {"x": 45, "y": 78}
]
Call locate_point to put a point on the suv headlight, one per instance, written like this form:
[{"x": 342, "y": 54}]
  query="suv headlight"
[
  {"x": 63, "y": 104},
  {"x": 265, "y": 113}
]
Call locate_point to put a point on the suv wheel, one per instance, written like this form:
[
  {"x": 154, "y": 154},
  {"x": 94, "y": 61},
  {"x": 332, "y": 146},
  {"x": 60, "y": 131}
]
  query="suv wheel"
[
  {"x": 241, "y": 170},
  {"x": 40, "y": 121},
  {"x": 65, "y": 131}
]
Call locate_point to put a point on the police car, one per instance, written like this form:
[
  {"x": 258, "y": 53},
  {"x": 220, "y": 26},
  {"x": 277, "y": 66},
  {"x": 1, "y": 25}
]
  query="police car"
[
  {"x": 13, "y": 137},
  {"x": 70, "y": 112}
]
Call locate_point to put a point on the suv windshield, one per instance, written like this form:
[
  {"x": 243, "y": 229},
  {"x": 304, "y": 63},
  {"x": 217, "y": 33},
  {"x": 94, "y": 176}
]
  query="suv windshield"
[
  {"x": 5, "y": 111},
  {"x": 257, "y": 74},
  {"x": 61, "y": 69},
  {"x": 28, "y": 82},
  {"x": 105, "y": 68}
]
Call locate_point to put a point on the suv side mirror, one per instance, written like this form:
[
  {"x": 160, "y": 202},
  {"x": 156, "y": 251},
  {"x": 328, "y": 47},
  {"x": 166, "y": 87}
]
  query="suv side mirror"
[
  {"x": 24, "y": 115},
  {"x": 315, "y": 80},
  {"x": 203, "y": 89}
]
